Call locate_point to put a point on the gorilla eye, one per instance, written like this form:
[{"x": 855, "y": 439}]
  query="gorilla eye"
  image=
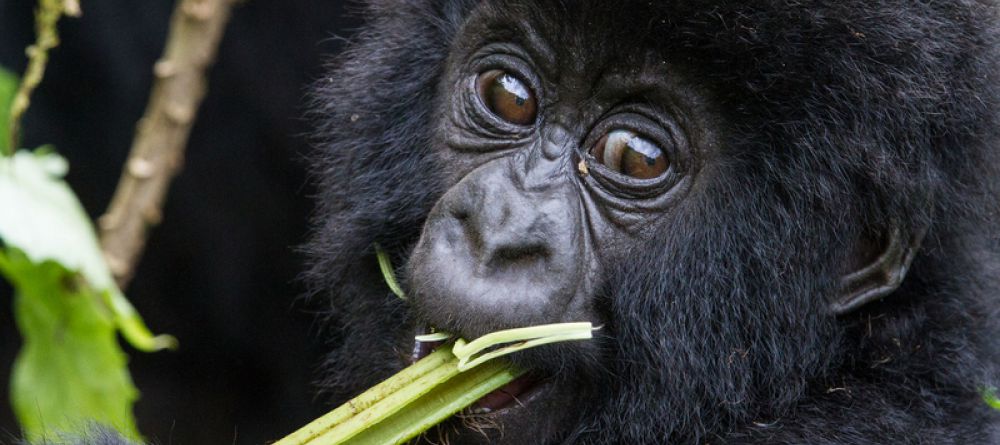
[
  {"x": 630, "y": 154},
  {"x": 507, "y": 97}
]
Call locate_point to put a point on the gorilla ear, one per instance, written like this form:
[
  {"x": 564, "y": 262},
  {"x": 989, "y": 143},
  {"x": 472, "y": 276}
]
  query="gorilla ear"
[{"x": 879, "y": 277}]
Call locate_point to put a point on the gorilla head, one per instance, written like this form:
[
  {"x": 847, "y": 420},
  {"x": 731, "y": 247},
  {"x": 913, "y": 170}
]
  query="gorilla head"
[{"x": 782, "y": 214}]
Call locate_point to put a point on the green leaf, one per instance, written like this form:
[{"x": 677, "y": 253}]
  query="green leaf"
[
  {"x": 8, "y": 88},
  {"x": 71, "y": 370}
]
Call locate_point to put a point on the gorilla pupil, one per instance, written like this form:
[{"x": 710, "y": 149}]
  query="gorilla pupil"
[{"x": 507, "y": 97}]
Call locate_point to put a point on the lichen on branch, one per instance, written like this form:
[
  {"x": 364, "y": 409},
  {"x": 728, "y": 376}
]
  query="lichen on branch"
[{"x": 46, "y": 37}]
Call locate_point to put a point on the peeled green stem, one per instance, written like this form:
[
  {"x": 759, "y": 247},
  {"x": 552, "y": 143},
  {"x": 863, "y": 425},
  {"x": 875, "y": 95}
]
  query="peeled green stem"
[
  {"x": 528, "y": 337},
  {"x": 470, "y": 360}
]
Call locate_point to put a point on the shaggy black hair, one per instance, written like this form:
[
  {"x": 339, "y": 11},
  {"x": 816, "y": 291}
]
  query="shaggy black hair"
[{"x": 840, "y": 118}]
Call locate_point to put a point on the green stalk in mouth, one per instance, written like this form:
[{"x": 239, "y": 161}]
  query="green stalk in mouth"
[{"x": 434, "y": 388}]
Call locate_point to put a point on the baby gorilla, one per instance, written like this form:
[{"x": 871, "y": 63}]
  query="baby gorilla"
[{"x": 784, "y": 215}]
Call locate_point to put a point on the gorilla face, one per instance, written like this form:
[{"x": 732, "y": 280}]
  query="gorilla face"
[
  {"x": 727, "y": 190},
  {"x": 552, "y": 159},
  {"x": 558, "y": 164}
]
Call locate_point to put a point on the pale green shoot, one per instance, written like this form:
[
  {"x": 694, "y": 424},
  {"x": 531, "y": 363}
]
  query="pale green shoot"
[
  {"x": 528, "y": 337},
  {"x": 433, "y": 337},
  {"x": 388, "y": 273}
]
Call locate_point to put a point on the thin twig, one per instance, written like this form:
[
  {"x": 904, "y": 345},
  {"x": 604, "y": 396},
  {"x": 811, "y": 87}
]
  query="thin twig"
[
  {"x": 158, "y": 147},
  {"x": 46, "y": 37}
]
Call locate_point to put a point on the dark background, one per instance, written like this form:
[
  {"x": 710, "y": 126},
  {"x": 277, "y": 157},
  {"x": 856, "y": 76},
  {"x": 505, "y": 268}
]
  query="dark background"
[{"x": 220, "y": 273}]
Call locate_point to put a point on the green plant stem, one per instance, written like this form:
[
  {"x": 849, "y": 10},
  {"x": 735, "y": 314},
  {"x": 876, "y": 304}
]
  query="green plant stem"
[
  {"x": 438, "y": 404},
  {"x": 47, "y": 37},
  {"x": 406, "y": 404},
  {"x": 990, "y": 397},
  {"x": 434, "y": 388},
  {"x": 385, "y": 265},
  {"x": 370, "y": 397}
]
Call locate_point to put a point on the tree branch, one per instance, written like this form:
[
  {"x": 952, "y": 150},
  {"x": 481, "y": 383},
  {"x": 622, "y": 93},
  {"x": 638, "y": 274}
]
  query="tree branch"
[
  {"x": 157, "y": 151},
  {"x": 47, "y": 37}
]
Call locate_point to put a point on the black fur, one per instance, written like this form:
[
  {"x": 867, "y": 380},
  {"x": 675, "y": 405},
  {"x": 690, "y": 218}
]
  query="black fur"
[{"x": 840, "y": 118}]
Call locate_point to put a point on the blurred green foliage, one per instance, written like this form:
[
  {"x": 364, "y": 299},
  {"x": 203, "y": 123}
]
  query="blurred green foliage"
[{"x": 71, "y": 370}]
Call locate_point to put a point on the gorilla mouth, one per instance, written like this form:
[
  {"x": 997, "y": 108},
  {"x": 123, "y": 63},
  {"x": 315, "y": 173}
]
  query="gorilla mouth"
[{"x": 518, "y": 392}]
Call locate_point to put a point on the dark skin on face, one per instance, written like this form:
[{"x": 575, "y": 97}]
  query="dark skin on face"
[{"x": 562, "y": 162}]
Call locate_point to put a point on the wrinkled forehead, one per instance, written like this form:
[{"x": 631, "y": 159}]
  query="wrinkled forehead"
[
  {"x": 575, "y": 36},
  {"x": 724, "y": 36}
]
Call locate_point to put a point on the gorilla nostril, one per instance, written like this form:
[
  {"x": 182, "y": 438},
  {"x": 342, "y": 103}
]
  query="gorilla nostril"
[
  {"x": 506, "y": 257},
  {"x": 460, "y": 213},
  {"x": 469, "y": 230}
]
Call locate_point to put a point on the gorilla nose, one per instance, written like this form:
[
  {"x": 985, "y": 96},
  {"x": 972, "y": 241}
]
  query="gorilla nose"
[
  {"x": 506, "y": 232},
  {"x": 500, "y": 253}
]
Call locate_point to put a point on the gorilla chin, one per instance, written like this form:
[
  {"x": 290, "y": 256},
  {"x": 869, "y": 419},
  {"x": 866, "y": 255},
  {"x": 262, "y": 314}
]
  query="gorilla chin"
[{"x": 781, "y": 215}]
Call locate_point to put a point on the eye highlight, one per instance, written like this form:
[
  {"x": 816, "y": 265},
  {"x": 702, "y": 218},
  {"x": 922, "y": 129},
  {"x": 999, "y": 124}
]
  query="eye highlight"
[
  {"x": 632, "y": 155},
  {"x": 507, "y": 97}
]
